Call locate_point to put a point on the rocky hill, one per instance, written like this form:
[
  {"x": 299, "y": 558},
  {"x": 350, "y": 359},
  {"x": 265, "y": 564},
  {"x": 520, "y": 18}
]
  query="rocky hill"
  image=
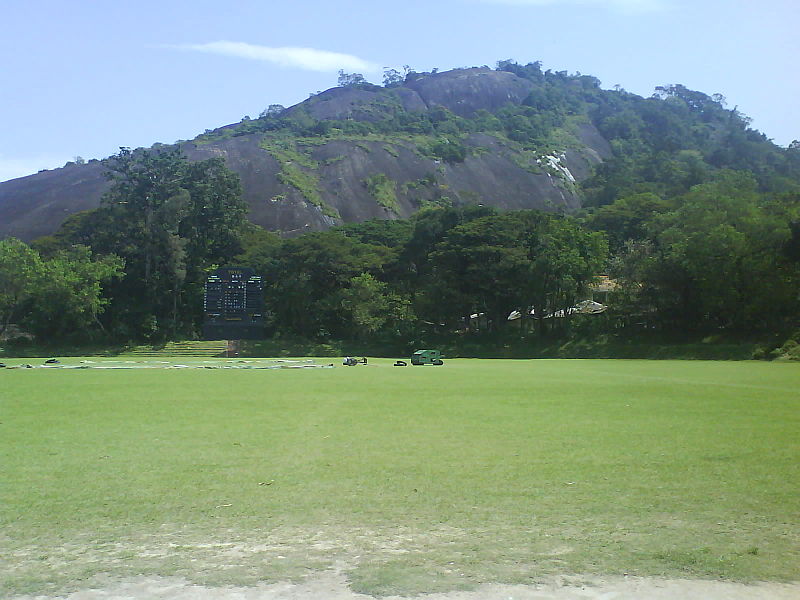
[{"x": 512, "y": 138}]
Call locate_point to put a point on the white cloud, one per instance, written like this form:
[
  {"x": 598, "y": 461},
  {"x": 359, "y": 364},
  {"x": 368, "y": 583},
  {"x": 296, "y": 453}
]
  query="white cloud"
[
  {"x": 11, "y": 168},
  {"x": 309, "y": 59},
  {"x": 628, "y": 6}
]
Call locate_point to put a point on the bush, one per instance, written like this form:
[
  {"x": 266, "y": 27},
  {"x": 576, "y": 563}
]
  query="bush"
[{"x": 450, "y": 150}]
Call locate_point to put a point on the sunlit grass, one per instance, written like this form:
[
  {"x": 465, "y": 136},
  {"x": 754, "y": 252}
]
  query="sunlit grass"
[{"x": 410, "y": 479}]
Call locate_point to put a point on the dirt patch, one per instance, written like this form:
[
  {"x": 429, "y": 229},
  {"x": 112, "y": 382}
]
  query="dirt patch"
[
  {"x": 333, "y": 586},
  {"x": 328, "y": 563}
]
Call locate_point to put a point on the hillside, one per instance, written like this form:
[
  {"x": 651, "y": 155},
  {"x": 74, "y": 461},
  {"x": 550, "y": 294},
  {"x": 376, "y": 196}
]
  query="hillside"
[
  {"x": 307, "y": 182},
  {"x": 512, "y": 138},
  {"x": 692, "y": 212}
]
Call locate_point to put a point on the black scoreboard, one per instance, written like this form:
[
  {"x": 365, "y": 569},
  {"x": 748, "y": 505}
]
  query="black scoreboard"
[{"x": 233, "y": 305}]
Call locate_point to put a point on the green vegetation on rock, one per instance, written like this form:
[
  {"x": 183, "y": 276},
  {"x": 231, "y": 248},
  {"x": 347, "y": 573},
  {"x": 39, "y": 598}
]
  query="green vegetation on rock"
[
  {"x": 298, "y": 170},
  {"x": 383, "y": 189}
]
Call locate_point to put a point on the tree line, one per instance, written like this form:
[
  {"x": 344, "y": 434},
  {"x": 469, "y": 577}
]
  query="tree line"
[
  {"x": 696, "y": 217},
  {"x": 143, "y": 256},
  {"x": 722, "y": 256},
  {"x": 401, "y": 278}
]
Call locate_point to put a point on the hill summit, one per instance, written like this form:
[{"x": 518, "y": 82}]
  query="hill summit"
[{"x": 514, "y": 137}]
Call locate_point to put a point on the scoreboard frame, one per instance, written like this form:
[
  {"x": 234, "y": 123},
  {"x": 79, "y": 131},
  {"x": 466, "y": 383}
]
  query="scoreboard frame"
[{"x": 233, "y": 305}]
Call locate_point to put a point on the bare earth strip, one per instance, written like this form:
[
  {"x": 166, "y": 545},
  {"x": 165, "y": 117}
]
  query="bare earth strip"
[{"x": 333, "y": 586}]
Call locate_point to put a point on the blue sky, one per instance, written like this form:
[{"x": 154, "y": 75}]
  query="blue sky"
[{"x": 83, "y": 78}]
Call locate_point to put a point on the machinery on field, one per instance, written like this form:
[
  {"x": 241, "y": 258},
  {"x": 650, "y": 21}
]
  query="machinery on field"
[
  {"x": 427, "y": 357},
  {"x": 349, "y": 361}
]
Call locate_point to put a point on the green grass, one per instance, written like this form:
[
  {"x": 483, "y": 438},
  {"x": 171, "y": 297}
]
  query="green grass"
[{"x": 411, "y": 479}]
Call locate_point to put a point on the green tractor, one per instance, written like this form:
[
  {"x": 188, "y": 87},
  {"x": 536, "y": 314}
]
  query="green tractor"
[{"x": 427, "y": 357}]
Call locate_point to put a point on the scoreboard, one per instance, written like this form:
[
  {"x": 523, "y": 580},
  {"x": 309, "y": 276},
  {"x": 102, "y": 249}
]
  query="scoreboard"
[{"x": 233, "y": 305}]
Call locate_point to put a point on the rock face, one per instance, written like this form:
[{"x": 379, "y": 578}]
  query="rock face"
[
  {"x": 346, "y": 179},
  {"x": 359, "y": 104},
  {"x": 465, "y": 91},
  {"x": 462, "y": 91},
  {"x": 36, "y": 205}
]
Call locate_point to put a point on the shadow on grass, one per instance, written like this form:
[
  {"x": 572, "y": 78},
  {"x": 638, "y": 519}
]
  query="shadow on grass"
[
  {"x": 503, "y": 346},
  {"x": 641, "y": 345}
]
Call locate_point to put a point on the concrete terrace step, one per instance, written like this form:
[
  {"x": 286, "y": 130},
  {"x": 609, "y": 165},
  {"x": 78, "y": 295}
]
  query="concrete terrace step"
[{"x": 191, "y": 348}]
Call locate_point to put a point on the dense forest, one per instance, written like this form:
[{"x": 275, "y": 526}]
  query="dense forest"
[{"x": 695, "y": 217}]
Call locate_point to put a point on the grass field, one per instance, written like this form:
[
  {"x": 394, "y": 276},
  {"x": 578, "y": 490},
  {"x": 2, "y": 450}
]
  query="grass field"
[{"x": 408, "y": 479}]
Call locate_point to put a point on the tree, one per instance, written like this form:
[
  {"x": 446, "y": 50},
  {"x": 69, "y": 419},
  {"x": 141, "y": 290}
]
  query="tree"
[
  {"x": 565, "y": 257},
  {"x": 450, "y": 150},
  {"x": 214, "y": 215},
  {"x": 307, "y": 278},
  {"x": 170, "y": 220},
  {"x": 350, "y": 79},
  {"x": 522, "y": 260},
  {"x": 392, "y": 236},
  {"x": 146, "y": 204},
  {"x": 70, "y": 298},
  {"x": 273, "y": 110},
  {"x": 627, "y": 218},
  {"x": 483, "y": 267},
  {"x": 21, "y": 273},
  {"x": 370, "y": 306},
  {"x": 392, "y": 77},
  {"x": 54, "y": 298},
  {"x": 430, "y": 225},
  {"x": 717, "y": 259},
  {"x": 261, "y": 248}
]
